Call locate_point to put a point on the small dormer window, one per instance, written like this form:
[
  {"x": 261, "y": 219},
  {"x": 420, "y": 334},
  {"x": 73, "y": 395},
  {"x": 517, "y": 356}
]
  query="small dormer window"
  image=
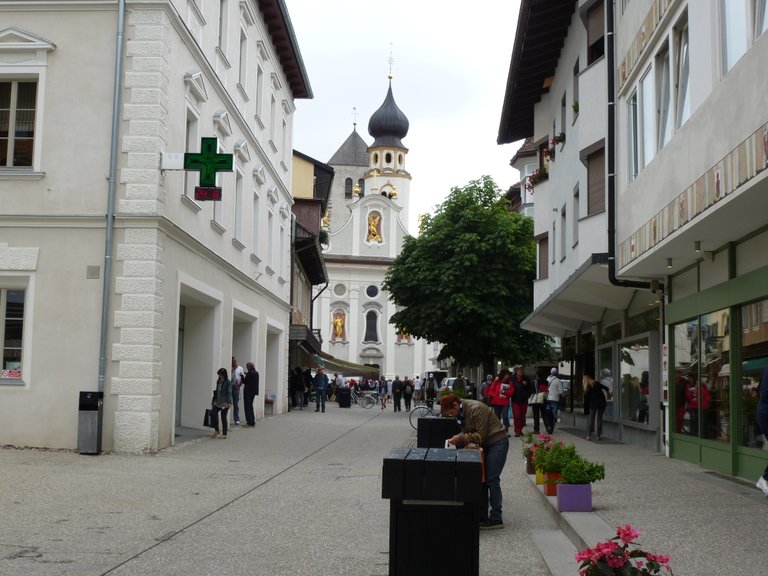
[{"x": 388, "y": 158}]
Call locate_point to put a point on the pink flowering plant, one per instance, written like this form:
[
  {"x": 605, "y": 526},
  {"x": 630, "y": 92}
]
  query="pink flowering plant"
[{"x": 615, "y": 558}]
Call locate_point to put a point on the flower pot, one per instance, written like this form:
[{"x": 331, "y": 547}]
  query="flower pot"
[
  {"x": 550, "y": 484},
  {"x": 529, "y": 467},
  {"x": 539, "y": 477},
  {"x": 574, "y": 498}
]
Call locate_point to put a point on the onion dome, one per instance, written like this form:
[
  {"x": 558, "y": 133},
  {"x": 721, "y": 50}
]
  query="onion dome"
[{"x": 388, "y": 124}]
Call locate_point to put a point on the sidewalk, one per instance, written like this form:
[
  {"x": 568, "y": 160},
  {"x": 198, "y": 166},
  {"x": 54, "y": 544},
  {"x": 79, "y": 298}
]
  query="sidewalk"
[
  {"x": 708, "y": 523},
  {"x": 300, "y": 494}
]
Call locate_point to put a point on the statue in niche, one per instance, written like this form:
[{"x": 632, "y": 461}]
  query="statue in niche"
[
  {"x": 338, "y": 326},
  {"x": 374, "y": 233},
  {"x": 403, "y": 336}
]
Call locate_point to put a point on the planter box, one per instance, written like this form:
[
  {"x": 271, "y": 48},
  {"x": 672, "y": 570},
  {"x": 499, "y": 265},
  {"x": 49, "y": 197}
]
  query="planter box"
[
  {"x": 550, "y": 484},
  {"x": 574, "y": 497},
  {"x": 539, "y": 477}
]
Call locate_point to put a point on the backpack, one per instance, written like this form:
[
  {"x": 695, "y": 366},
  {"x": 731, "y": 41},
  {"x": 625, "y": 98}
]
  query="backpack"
[{"x": 408, "y": 389}]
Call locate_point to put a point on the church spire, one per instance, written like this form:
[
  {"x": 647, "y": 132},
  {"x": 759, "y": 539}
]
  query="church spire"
[{"x": 388, "y": 125}]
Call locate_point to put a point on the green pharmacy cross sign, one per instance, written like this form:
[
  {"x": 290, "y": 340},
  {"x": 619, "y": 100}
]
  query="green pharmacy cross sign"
[{"x": 208, "y": 162}]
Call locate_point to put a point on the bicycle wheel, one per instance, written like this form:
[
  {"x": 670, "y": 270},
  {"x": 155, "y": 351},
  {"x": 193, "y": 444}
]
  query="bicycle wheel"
[
  {"x": 367, "y": 401},
  {"x": 416, "y": 413}
]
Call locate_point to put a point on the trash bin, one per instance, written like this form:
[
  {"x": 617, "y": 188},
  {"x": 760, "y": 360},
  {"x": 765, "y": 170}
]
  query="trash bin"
[
  {"x": 433, "y": 432},
  {"x": 435, "y": 496},
  {"x": 344, "y": 397},
  {"x": 89, "y": 419}
]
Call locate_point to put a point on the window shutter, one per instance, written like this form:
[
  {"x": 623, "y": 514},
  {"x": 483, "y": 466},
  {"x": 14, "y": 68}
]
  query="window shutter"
[
  {"x": 595, "y": 19},
  {"x": 543, "y": 258},
  {"x": 596, "y": 182}
]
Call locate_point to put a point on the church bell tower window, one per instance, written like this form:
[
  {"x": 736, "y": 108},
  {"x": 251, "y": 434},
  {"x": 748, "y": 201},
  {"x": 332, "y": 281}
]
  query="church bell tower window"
[{"x": 388, "y": 158}]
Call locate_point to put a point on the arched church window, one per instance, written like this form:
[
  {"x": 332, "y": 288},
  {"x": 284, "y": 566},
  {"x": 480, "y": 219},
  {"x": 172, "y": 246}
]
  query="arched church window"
[
  {"x": 371, "y": 326},
  {"x": 388, "y": 158},
  {"x": 361, "y": 183},
  {"x": 375, "y": 158},
  {"x": 400, "y": 159},
  {"x": 348, "y": 188}
]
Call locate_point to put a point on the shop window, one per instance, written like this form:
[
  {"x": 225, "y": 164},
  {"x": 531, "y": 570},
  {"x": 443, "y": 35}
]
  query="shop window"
[{"x": 754, "y": 362}]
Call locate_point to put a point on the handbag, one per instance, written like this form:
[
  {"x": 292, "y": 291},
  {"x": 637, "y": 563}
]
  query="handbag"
[{"x": 208, "y": 418}]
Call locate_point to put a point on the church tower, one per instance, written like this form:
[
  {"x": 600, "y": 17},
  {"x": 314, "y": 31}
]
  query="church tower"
[{"x": 367, "y": 224}]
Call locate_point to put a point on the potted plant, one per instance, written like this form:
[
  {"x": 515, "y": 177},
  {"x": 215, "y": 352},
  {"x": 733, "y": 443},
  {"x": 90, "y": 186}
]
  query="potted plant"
[
  {"x": 615, "y": 558},
  {"x": 575, "y": 106},
  {"x": 536, "y": 177},
  {"x": 574, "y": 493},
  {"x": 538, "y": 445},
  {"x": 528, "y": 451},
  {"x": 551, "y": 462}
]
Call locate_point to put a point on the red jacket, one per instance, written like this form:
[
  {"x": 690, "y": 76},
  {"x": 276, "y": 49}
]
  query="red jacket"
[{"x": 498, "y": 396}]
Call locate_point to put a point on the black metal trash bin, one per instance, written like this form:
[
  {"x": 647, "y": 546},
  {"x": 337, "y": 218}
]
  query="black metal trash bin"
[
  {"x": 433, "y": 432},
  {"x": 89, "y": 422},
  {"x": 344, "y": 397},
  {"x": 435, "y": 497}
]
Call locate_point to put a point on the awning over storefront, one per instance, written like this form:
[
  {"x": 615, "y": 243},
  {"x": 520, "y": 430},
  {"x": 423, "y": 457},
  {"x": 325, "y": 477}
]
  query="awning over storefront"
[
  {"x": 582, "y": 300},
  {"x": 345, "y": 367}
]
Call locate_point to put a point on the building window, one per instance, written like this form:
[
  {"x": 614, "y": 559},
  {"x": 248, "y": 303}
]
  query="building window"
[
  {"x": 372, "y": 291},
  {"x": 575, "y": 101},
  {"x": 554, "y": 241},
  {"x": 596, "y": 182},
  {"x": 634, "y": 136},
  {"x": 256, "y": 227},
  {"x": 735, "y": 22},
  {"x": 562, "y": 114},
  {"x": 243, "y": 59},
  {"x": 648, "y": 108},
  {"x": 754, "y": 360},
  {"x": 18, "y": 100},
  {"x": 595, "y": 32},
  {"x": 348, "y": 188},
  {"x": 361, "y": 184},
  {"x": 271, "y": 240},
  {"x": 575, "y": 217},
  {"x": 238, "y": 215},
  {"x": 259, "y": 93},
  {"x": 543, "y": 258},
  {"x": 371, "y": 326},
  {"x": 192, "y": 144},
  {"x": 683, "y": 98},
  {"x": 761, "y": 17},
  {"x": 562, "y": 232},
  {"x": 664, "y": 96},
  {"x": 222, "y": 40},
  {"x": 11, "y": 331}
]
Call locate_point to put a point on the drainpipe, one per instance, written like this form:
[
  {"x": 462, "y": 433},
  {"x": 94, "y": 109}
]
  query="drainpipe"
[
  {"x": 610, "y": 149},
  {"x": 110, "y": 224}
]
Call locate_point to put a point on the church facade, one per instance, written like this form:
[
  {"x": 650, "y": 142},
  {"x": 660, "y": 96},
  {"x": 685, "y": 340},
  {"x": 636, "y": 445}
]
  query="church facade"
[{"x": 367, "y": 224}]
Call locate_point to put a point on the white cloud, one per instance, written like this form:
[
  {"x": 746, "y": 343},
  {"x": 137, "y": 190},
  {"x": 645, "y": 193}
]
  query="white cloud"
[{"x": 451, "y": 61}]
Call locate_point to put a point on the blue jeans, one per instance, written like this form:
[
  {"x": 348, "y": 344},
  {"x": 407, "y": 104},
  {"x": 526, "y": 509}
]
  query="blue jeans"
[
  {"x": 495, "y": 457},
  {"x": 320, "y": 399},
  {"x": 235, "y": 404},
  {"x": 552, "y": 408}
]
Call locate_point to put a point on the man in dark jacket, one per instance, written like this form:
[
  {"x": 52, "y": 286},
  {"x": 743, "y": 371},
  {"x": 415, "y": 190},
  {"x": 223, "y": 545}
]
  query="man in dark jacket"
[
  {"x": 321, "y": 388},
  {"x": 481, "y": 427},
  {"x": 250, "y": 391},
  {"x": 397, "y": 392}
]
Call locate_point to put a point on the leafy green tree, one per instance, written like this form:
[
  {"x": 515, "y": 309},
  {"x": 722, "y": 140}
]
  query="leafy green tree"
[{"x": 467, "y": 280}]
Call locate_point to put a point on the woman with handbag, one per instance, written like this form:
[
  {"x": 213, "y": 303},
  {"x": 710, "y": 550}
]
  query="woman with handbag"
[
  {"x": 222, "y": 400},
  {"x": 594, "y": 405}
]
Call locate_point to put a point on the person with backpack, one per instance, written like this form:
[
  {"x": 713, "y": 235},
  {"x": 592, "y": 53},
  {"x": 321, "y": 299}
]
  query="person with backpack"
[
  {"x": 397, "y": 393},
  {"x": 522, "y": 388},
  {"x": 408, "y": 393},
  {"x": 538, "y": 402},
  {"x": 498, "y": 394}
]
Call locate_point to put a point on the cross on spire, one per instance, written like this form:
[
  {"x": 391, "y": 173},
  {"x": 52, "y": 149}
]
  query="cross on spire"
[{"x": 391, "y": 61}]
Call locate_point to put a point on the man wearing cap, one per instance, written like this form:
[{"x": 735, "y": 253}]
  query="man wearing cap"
[
  {"x": 481, "y": 427},
  {"x": 553, "y": 398}
]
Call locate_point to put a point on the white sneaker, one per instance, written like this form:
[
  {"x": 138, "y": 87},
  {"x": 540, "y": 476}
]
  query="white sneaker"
[{"x": 762, "y": 483}]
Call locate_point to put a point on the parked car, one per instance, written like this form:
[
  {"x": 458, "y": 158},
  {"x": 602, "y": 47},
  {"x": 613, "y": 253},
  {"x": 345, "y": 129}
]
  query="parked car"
[{"x": 446, "y": 384}]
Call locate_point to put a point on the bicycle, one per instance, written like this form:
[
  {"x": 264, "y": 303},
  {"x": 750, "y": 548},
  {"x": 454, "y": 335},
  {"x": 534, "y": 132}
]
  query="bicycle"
[
  {"x": 422, "y": 409},
  {"x": 364, "y": 400}
]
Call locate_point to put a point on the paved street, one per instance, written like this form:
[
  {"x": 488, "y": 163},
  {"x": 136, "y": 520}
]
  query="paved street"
[{"x": 301, "y": 495}]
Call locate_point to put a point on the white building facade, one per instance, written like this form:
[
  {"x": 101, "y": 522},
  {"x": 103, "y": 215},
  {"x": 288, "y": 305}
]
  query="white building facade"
[
  {"x": 367, "y": 218},
  {"x": 192, "y": 283},
  {"x": 651, "y": 220}
]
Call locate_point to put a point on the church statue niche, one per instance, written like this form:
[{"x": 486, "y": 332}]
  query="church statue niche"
[
  {"x": 403, "y": 337},
  {"x": 374, "y": 228},
  {"x": 337, "y": 330}
]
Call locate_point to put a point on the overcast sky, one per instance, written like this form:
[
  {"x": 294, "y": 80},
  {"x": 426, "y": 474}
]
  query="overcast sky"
[{"x": 451, "y": 61}]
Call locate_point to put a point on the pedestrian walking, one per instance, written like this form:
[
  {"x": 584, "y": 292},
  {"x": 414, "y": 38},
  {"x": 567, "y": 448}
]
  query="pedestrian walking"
[
  {"x": 553, "y": 398},
  {"x": 320, "y": 382},
  {"x": 417, "y": 389},
  {"x": 480, "y": 427},
  {"x": 381, "y": 388},
  {"x": 459, "y": 385},
  {"x": 594, "y": 405},
  {"x": 522, "y": 388},
  {"x": 407, "y": 393},
  {"x": 762, "y": 422},
  {"x": 538, "y": 401},
  {"x": 250, "y": 391},
  {"x": 498, "y": 393},
  {"x": 397, "y": 393},
  {"x": 221, "y": 401},
  {"x": 237, "y": 382}
]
